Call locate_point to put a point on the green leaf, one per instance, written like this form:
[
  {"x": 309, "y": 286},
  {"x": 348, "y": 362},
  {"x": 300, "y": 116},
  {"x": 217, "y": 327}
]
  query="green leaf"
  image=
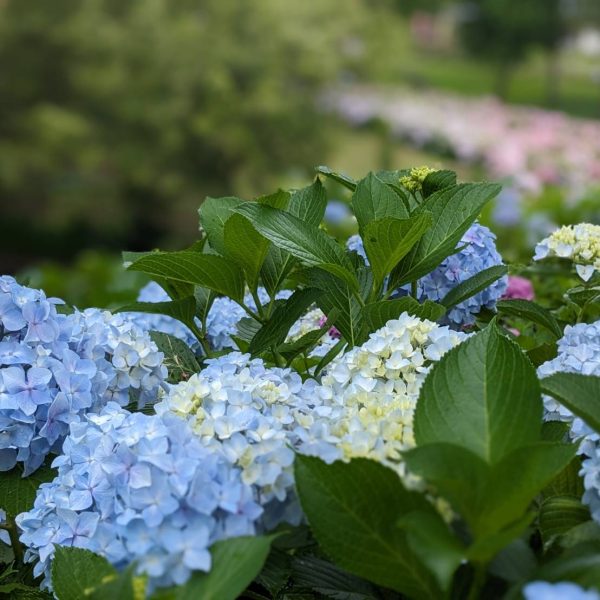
[
  {"x": 279, "y": 199},
  {"x": 340, "y": 178},
  {"x": 560, "y": 514},
  {"x": 437, "y": 547},
  {"x": 214, "y": 213},
  {"x": 518, "y": 478},
  {"x": 583, "y": 295},
  {"x": 373, "y": 200},
  {"x": 247, "y": 328},
  {"x": 338, "y": 296},
  {"x": 304, "y": 343},
  {"x": 580, "y": 564},
  {"x": 205, "y": 270},
  {"x": 352, "y": 509},
  {"x": 454, "y": 209},
  {"x": 276, "y": 267},
  {"x": 377, "y": 314},
  {"x": 482, "y": 395},
  {"x": 180, "y": 361},
  {"x": 312, "y": 246},
  {"x": 388, "y": 240},
  {"x": 530, "y": 311},
  {"x": 183, "y": 310},
  {"x": 276, "y": 571},
  {"x": 309, "y": 203},
  {"x": 453, "y": 469},
  {"x": 77, "y": 572},
  {"x": 204, "y": 300},
  {"x": 567, "y": 482},
  {"x": 17, "y": 493},
  {"x": 514, "y": 563},
  {"x": 579, "y": 393},
  {"x": 542, "y": 353},
  {"x": 245, "y": 247},
  {"x": 438, "y": 180},
  {"x": 473, "y": 285},
  {"x": 235, "y": 563},
  {"x": 319, "y": 576},
  {"x": 275, "y": 330}
]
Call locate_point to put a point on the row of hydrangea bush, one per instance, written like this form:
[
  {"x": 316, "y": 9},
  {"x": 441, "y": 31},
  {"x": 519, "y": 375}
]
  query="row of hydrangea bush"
[{"x": 289, "y": 412}]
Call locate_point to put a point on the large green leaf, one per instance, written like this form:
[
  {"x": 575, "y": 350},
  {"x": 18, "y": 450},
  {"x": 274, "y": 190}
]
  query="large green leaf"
[
  {"x": 388, "y": 240},
  {"x": 353, "y": 509},
  {"x": 309, "y": 203},
  {"x": 17, "y": 493},
  {"x": 274, "y": 331},
  {"x": 580, "y": 564},
  {"x": 483, "y": 395},
  {"x": 279, "y": 199},
  {"x": 338, "y": 296},
  {"x": 276, "y": 267},
  {"x": 77, "y": 572},
  {"x": 454, "y": 209},
  {"x": 245, "y": 247},
  {"x": 373, "y": 200},
  {"x": 473, "y": 285},
  {"x": 579, "y": 393},
  {"x": 377, "y": 314},
  {"x": 214, "y": 213},
  {"x": 205, "y": 270},
  {"x": 235, "y": 563},
  {"x": 183, "y": 310},
  {"x": 312, "y": 246},
  {"x": 530, "y": 311}
]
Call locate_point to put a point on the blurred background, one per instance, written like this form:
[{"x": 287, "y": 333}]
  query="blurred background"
[{"x": 117, "y": 117}]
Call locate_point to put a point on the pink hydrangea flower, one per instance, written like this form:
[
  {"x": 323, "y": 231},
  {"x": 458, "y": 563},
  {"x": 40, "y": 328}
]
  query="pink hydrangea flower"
[{"x": 519, "y": 288}]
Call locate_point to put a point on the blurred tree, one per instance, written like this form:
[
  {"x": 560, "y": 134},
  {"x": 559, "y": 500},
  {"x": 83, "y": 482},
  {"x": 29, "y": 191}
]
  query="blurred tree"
[
  {"x": 117, "y": 117},
  {"x": 503, "y": 33}
]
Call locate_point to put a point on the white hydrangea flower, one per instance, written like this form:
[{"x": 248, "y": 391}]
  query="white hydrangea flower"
[
  {"x": 249, "y": 413},
  {"x": 368, "y": 395},
  {"x": 314, "y": 319},
  {"x": 579, "y": 243}
]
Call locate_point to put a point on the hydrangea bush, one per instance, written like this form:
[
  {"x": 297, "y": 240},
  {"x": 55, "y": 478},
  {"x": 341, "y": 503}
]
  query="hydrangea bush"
[{"x": 291, "y": 412}]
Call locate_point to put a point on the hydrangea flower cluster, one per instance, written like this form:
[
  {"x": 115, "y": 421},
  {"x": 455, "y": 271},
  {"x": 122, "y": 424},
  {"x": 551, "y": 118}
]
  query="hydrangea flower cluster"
[
  {"x": 579, "y": 352},
  {"x": 368, "y": 395},
  {"x": 54, "y": 368},
  {"x": 579, "y": 243},
  {"x": 251, "y": 415},
  {"x": 133, "y": 487},
  {"x": 543, "y": 590},
  {"x": 478, "y": 253}
]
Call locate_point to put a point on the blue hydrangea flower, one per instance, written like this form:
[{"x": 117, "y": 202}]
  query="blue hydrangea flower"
[
  {"x": 251, "y": 415},
  {"x": 478, "y": 253},
  {"x": 579, "y": 352},
  {"x": 564, "y": 590},
  {"x": 133, "y": 487},
  {"x": 54, "y": 368}
]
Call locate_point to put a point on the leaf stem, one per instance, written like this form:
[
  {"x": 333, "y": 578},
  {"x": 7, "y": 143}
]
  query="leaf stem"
[
  {"x": 413, "y": 289},
  {"x": 478, "y": 581}
]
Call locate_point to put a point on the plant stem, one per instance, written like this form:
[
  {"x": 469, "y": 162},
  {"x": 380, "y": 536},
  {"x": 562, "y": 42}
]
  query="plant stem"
[
  {"x": 258, "y": 303},
  {"x": 478, "y": 581},
  {"x": 13, "y": 533},
  {"x": 413, "y": 289}
]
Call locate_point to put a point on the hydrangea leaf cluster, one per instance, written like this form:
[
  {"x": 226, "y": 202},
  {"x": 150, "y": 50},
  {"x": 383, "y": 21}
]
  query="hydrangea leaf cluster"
[
  {"x": 579, "y": 352},
  {"x": 54, "y": 368},
  {"x": 477, "y": 252},
  {"x": 137, "y": 488},
  {"x": 579, "y": 243},
  {"x": 251, "y": 415},
  {"x": 368, "y": 395}
]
